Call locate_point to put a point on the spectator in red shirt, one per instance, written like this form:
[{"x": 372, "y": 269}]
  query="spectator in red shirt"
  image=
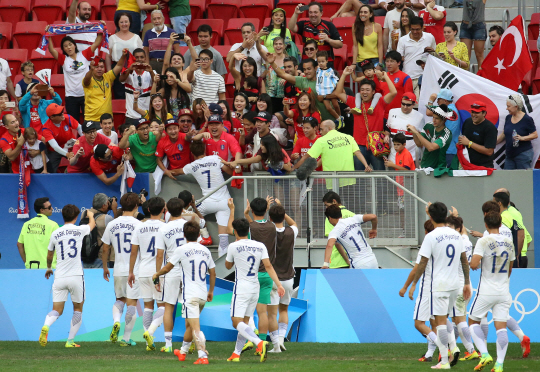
[
  {"x": 33, "y": 107},
  {"x": 175, "y": 145},
  {"x": 58, "y": 133},
  {"x": 107, "y": 159},
  {"x": 364, "y": 123},
  {"x": 302, "y": 145},
  {"x": 402, "y": 82},
  {"x": 434, "y": 17},
  {"x": 222, "y": 143},
  {"x": 12, "y": 142},
  {"x": 228, "y": 115},
  {"x": 305, "y": 106},
  {"x": 84, "y": 147},
  {"x": 186, "y": 119}
]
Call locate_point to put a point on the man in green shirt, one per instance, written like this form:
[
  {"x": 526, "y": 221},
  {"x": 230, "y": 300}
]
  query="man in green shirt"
[
  {"x": 35, "y": 235},
  {"x": 142, "y": 144},
  {"x": 435, "y": 137},
  {"x": 336, "y": 259},
  {"x": 180, "y": 14},
  {"x": 308, "y": 82}
]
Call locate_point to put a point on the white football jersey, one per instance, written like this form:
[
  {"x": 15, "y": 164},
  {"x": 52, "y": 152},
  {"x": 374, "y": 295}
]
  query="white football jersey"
[
  {"x": 348, "y": 232},
  {"x": 207, "y": 172},
  {"x": 444, "y": 247},
  {"x": 497, "y": 252},
  {"x": 468, "y": 249},
  {"x": 67, "y": 241},
  {"x": 149, "y": 240},
  {"x": 504, "y": 231},
  {"x": 246, "y": 254},
  {"x": 425, "y": 280},
  {"x": 118, "y": 234},
  {"x": 195, "y": 260},
  {"x": 173, "y": 237}
]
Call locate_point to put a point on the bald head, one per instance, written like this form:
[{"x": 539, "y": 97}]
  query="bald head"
[
  {"x": 327, "y": 126},
  {"x": 11, "y": 123},
  {"x": 503, "y": 190}
]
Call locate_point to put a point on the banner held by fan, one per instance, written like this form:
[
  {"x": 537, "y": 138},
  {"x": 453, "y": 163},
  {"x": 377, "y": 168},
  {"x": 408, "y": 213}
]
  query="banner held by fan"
[{"x": 24, "y": 182}]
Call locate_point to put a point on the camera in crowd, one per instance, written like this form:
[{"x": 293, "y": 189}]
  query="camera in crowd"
[
  {"x": 142, "y": 193},
  {"x": 111, "y": 200}
]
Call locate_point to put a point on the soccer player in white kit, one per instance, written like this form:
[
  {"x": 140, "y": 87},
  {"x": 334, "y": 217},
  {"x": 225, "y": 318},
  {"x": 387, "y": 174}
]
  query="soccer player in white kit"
[
  {"x": 247, "y": 254},
  {"x": 145, "y": 242},
  {"x": 348, "y": 233},
  {"x": 495, "y": 253},
  {"x": 172, "y": 234},
  {"x": 67, "y": 241},
  {"x": 195, "y": 261},
  {"x": 118, "y": 234},
  {"x": 444, "y": 248},
  {"x": 207, "y": 171}
]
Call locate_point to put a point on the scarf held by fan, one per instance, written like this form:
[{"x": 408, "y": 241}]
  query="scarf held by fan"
[{"x": 75, "y": 28}]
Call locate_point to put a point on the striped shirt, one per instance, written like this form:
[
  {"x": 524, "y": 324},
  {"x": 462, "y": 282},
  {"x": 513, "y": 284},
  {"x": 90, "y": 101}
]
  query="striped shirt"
[
  {"x": 142, "y": 84},
  {"x": 208, "y": 87},
  {"x": 326, "y": 81}
]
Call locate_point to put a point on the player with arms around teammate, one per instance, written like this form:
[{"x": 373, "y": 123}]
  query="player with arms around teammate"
[
  {"x": 145, "y": 242},
  {"x": 173, "y": 235},
  {"x": 69, "y": 278},
  {"x": 348, "y": 233},
  {"x": 444, "y": 248},
  {"x": 494, "y": 254},
  {"x": 207, "y": 171},
  {"x": 118, "y": 234},
  {"x": 195, "y": 261},
  {"x": 247, "y": 254}
]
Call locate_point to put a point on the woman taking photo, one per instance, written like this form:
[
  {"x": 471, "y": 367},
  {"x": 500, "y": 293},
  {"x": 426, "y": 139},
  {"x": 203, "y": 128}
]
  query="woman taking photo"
[
  {"x": 177, "y": 60},
  {"x": 174, "y": 91},
  {"x": 519, "y": 130},
  {"x": 367, "y": 37},
  {"x": 122, "y": 39},
  {"x": 305, "y": 106},
  {"x": 157, "y": 110},
  {"x": 453, "y": 51},
  {"x": 274, "y": 85},
  {"x": 248, "y": 67},
  {"x": 277, "y": 28},
  {"x": 75, "y": 65},
  {"x": 404, "y": 26}
]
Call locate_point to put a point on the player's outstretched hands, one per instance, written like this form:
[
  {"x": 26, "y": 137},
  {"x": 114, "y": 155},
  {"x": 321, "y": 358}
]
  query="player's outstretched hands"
[
  {"x": 230, "y": 203},
  {"x": 454, "y": 212},
  {"x": 476, "y": 234},
  {"x": 281, "y": 291},
  {"x": 106, "y": 273},
  {"x": 248, "y": 207},
  {"x": 372, "y": 234},
  {"x": 467, "y": 292},
  {"x": 131, "y": 279},
  {"x": 411, "y": 291},
  {"x": 48, "y": 273}
]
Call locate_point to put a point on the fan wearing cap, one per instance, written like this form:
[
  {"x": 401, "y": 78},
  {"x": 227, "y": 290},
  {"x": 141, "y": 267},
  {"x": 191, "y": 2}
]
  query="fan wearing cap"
[
  {"x": 398, "y": 119},
  {"x": 402, "y": 82},
  {"x": 222, "y": 143},
  {"x": 310, "y": 126},
  {"x": 435, "y": 138},
  {"x": 33, "y": 108},
  {"x": 142, "y": 143},
  {"x": 57, "y": 131},
  {"x": 108, "y": 159},
  {"x": 84, "y": 147},
  {"x": 175, "y": 145},
  {"x": 479, "y": 135},
  {"x": 445, "y": 96},
  {"x": 216, "y": 109},
  {"x": 11, "y": 142}
]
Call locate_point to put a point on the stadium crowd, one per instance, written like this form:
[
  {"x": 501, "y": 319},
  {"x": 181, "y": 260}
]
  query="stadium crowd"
[{"x": 286, "y": 78}]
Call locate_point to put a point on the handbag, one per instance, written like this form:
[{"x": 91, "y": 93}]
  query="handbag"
[{"x": 375, "y": 140}]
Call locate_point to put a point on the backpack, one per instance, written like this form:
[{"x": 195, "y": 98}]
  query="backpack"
[{"x": 90, "y": 244}]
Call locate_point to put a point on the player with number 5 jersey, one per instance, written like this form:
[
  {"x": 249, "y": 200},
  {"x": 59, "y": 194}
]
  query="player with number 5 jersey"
[
  {"x": 67, "y": 241},
  {"x": 145, "y": 242},
  {"x": 348, "y": 233}
]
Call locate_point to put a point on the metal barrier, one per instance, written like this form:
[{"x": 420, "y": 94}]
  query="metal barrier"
[{"x": 506, "y": 17}]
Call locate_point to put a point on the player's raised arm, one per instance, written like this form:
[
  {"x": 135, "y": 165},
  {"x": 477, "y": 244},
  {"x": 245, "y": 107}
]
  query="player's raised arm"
[
  {"x": 212, "y": 272},
  {"x": 230, "y": 229},
  {"x": 270, "y": 270},
  {"x": 374, "y": 221}
]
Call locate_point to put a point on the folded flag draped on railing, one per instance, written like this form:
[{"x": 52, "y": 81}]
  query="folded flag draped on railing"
[
  {"x": 127, "y": 178},
  {"x": 466, "y": 169},
  {"x": 75, "y": 28},
  {"x": 24, "y": 181}
]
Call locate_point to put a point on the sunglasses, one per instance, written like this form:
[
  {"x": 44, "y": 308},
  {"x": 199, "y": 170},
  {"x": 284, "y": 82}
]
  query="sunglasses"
[
  {"x": 205, "y": 59},
  {"x": 49, "y": 207},
  {"x": 309, "y": 49},
  {"x": 155, "y": 95},
  {"x": 186, "y": 121},
  {"x": 406, "y": 104}
]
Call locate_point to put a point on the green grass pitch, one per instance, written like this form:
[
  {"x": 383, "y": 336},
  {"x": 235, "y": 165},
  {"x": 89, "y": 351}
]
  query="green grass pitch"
[{"x": 104, "y": 356}]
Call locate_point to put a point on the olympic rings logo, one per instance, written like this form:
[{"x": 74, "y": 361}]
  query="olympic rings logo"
[{"x": 520, "y": 308}]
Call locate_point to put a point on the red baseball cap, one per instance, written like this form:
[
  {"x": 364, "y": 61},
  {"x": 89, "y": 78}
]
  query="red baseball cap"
[
  {"x": 409, "y": 96},
  {"x": 186, "y": 112},
  {"x": 54, "y": 109},
  {"x": 478, "y": 106}
]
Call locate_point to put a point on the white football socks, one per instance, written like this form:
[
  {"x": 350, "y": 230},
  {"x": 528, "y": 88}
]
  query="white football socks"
[
  {"x": 204, "y": 232},
  {"x": 274, "y": 337},
  {"x": 117, "y": 310},
  {"x": 131, "y": 317},
  {"x": 432, "y": 344},
  {"x": 156, "y": 320},
  {"x": 514, "y": 327},
  {"x": 502, "y": 345},
  {"x": 223, "y": 244},
  {"x": 185, "y": 347},
  {"x": 451, "y": 336},
  {"x": 484, "y": 325},
  {"x": 168, "y": 339},
  {"x": 240, "y": 342},
  {"x": 76, "y": 322},
  {"x": 147, "y": 318},
  {"x": 478, "y": 337},
  {"x": 442, "y": 343},
  {"x": 248, "y": 333},
  {"x": 51, "y": 318},
  {"x": 465, "y": 335}
]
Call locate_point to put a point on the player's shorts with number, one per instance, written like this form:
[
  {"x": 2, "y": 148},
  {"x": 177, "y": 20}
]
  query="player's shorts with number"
[
  {"x": 422, "y": 307},
  {"x": 365, "y": 263},
  {"x": 73, "y": 285},
  {"x": 171, "y": 289},
  {"x": 243, "y": 304},
  {"x": 148, "y": 291},
  {"x": 219, "y": 207},
  {"x": 192, "y": 307},
  {"x": 122, "y": 288},
  {"x": 499, "y": 305},
  {"x": 286, "y": 299},
  {"x": 460, "y": 308},
  {"x": 443, "y": 302}
]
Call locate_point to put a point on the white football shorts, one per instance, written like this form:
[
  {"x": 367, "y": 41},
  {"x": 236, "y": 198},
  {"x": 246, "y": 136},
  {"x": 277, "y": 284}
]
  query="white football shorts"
[
  {"x": 171, "y": 289},
  {"x": 460, "y": 308},
  {"x": 244, "y": 304},
  {"x": 443, "y": 302},
  {"x": 499, "y": 305},
  {"x": 422, "y": 307},
  {"x": 219, "y": 207},
  {"x": 365, "y": 263},
  {"x": 73, "y": 285},
  {"x": 192, "y": 307},
  {"x": 286, "y": 299},
  {"x": 148, "y": 291},
  {"x": 122, "y": 288}
]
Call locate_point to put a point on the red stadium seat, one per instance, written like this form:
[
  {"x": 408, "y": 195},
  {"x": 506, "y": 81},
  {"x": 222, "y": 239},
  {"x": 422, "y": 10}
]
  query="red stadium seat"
[
  {"x": 223, "y": 50},
  {"x": 197, "y": 9},
  {"x": 28, "y": 34},
  {"x": 111, "y": 27},
  {"x": 233, "y": 32},
  {"x": 260, "y": 9},
  {"x": 48, "y": 10},
  {"x": 340, "y": 58},
  {"x": 330, "y": 7},
  {"x": 344, "y": 26},
  {"x": 380, "y": 20},
  {"x": 230, "y": 101},
  {"x": 96, "y": 8},
  {"x": 217, "y": 30},
  {"x": 14, "y": 11},
  {"x": 290, "y": 5},
  {"x": 58, "y": 38},
  {"x": 223, "y": 9},
  {"x": 119, "y": 112},
  {"x": 6, "y": 29},
  {"x": 43, "y": 61},
  {"x": 229, "y": 86},
  {"x": 533, "y": 28},
  {"x": 57, "y": 82},
  {"x": 108, "y": 8},
  {"x": 15, "y": 58}
]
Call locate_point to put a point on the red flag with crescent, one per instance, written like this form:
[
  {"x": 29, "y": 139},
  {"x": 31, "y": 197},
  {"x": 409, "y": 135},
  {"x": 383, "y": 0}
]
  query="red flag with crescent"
[{"x": 509, "y": 60}]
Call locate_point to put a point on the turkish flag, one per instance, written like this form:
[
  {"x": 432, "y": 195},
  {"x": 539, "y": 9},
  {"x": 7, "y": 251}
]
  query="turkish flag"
[
  {"x": 509, "y": 60},
  {"x": 128, "y": 62}
]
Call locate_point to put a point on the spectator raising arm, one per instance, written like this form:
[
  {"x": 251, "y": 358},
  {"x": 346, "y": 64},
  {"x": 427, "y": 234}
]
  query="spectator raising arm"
[
  {"x": 124, "y": 141},
  {"x": 110, "y": 180},
  {"x": 435, "y": 14},
  {"x": 270, "y": 59},
  {"x": 420, "y": 141},
  {"x": 294, "y": 19},
  {"x": 237, "y": 77},
  {"x": 72, "y": 11}
]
